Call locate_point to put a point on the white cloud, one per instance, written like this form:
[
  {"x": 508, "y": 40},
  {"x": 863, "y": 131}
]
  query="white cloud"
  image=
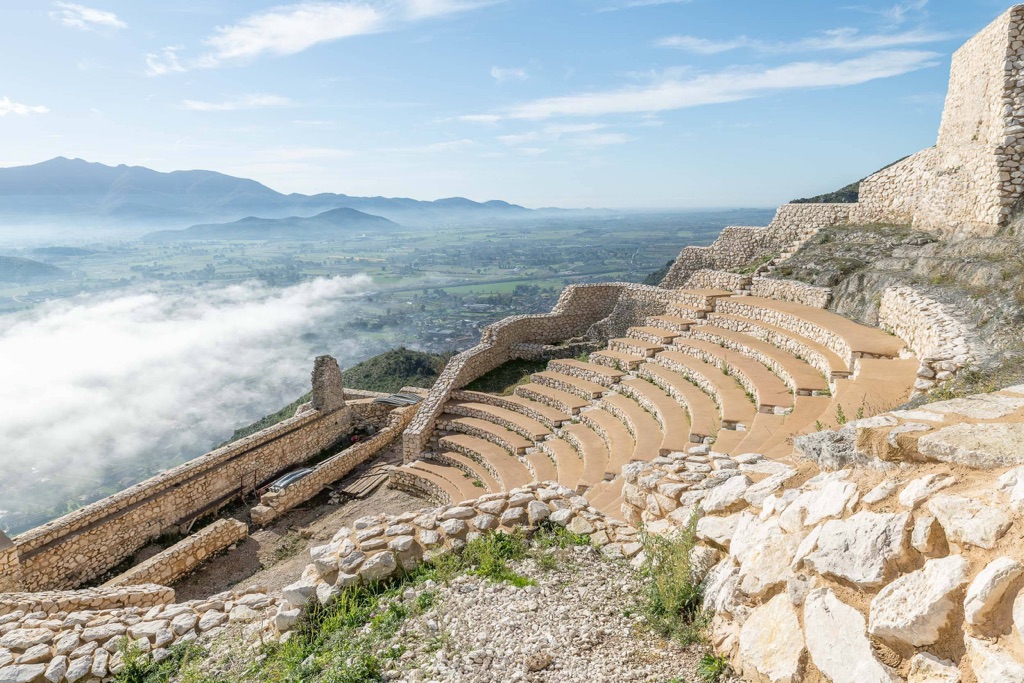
[
  {"x": 508, "y": 74},
  {"x": 9, "y": 107},
  {"x": 85, "y": 18},
  {"x": 257, "y": 101},
  {"x": 290, "y": 29},
  {"x": 899, "y": 12},
  {"x": 164, "y": 62},
  {"x": 849, "y": 39},
  {"x": 731, "y": 85},
  {"x": 631, "y": 4},
  {"x": 432, "y": 148},
  {"x": 578, "y": 135},
  {"x": 487, "y": 119},
  {"x": 152, "y": 377}
]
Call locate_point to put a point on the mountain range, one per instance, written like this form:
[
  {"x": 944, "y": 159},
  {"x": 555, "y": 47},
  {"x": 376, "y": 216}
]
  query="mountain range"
[
  {"x": 62, "y": 191},
  {"x": 332, "y": 224}
]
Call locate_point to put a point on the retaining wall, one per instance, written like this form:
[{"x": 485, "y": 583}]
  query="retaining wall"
[
  {"x": 938, "y": 339},
  {"x": 51, "y": 602},
  {"x": 86, "y": 543},
  {"x": 181, "y": 558},
  {"x": 738, "y": 246},
  {"x": 579, "y": 307},
  {"x": 791, "y": 290},
  {"x": 273, "y": 505}
]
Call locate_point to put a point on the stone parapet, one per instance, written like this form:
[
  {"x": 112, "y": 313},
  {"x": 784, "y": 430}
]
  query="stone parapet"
[{"x": 180, "y": 559}]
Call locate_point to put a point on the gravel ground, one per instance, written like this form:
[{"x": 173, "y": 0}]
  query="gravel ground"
[{"x": 579, "y": 623}]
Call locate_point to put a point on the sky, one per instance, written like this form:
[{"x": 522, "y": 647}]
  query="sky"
[{"x": 607, "y": 103}]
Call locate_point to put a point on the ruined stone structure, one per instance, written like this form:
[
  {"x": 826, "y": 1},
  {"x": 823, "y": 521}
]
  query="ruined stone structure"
[
  {"x": 971, "y": 181},
  {"x": 841, "y": 539}
]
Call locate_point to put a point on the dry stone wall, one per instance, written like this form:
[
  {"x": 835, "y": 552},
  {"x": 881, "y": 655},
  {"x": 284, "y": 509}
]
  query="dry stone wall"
[
  {"x": 273, "y": 505},
  {"x": 738, "y": 246},
  {"x": 579, "y": 307},
  {"x": 903, "y": 566},
  {"x": 49, "y": 603},
  {"x": 972, "y": 180},
  {"x": 175, "y": 562},
  {"x": 937, "y": 338},
  {"x": 718, "y": 279},
  {"x": 791, "y": 290},
  {"x": 84, "y": 544}
]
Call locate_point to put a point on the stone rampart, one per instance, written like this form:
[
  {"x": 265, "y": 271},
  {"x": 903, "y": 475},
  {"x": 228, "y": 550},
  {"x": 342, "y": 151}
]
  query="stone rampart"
[
  {"x": 971, "y": 181},
  {"x": 718, "y": 279},
  {"x": 10, "y": 566},
  {"x": 937, "y": 338},
  {"x": 791, "y": 290},
  {"x": 181, "y": 558},
  {"x": 273, "y": 505},
  {"x": 86, "y": 543}
]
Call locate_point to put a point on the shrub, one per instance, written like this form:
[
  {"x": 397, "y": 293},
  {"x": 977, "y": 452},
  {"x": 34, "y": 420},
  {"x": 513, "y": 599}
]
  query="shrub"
[{"x": 672, "y": 596}]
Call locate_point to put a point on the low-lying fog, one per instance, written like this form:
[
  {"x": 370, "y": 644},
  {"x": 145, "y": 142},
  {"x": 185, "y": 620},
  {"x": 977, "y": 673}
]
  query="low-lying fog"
[{"x": 98, "y": 392}]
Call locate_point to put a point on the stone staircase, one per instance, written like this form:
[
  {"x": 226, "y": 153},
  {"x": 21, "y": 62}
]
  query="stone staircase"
[{"x": 720, "y": 373}]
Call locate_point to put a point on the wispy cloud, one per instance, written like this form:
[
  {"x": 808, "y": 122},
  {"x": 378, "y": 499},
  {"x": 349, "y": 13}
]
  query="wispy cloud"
[
  {"x": 731, "y": 85},
  {"x": 631, "y": 4},
  {"x": 9, "y": 107},
  {"x": 848, "y": 39},
  {"x": 291, "y": 29},
  {"x": 256, "y": 101},
  {"x": 434, "y": 147},
  {"x": 586, "y": 135},
  {"x": 164, "y": 62},
  {"x": 85, "y": 18},
  {"x": 502, "y": 74},
  {"x": 487, "y": 119}
]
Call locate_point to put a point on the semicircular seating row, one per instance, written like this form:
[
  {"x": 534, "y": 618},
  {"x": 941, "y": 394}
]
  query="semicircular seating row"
[{"x": 743, "y": 373}]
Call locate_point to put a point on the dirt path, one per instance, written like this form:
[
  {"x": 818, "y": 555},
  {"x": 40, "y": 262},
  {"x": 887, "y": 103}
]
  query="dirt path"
[{"x": 275, "y": 556}]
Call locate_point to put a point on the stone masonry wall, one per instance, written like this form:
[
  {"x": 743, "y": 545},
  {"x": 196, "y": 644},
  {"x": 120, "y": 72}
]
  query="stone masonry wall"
[
  {"x": 738, "y": 246},
  {"x": 937, "y": 338},
  {"x": 718, "y": 279},
  {"x": 579, "y": 307},
  {"x": 175, "y": 562},
  {"x": 50, "y": 602},
  {"x": 791, "y": 290},
  {"x": 273, "y": 505},
  {"x": 82, "y": 545},
  {"x": 972, "y": 180},
  {"x": 10, "y": 566}
]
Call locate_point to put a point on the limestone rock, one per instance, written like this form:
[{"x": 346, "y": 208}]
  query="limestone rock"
[
  {"x": 78, "y": 669},
  {"x": 927, "y": 668},
  {"x": 915, "y": 607},
  {"x": 974, "y": 521},
  {"x": 988, "y": 588},
  {"x": 812, "y": 506},
  {"x": 380, "y": 565},
  {"x": 928, "y": 537},
  {"x": 772, "y": 643},
  {"x": 862, "y": 549},
  {"x": 56, "y": 669},
  {"x": 756, "y": 493},
  {"x": 717, "y": 530},
  {"x": 992, "y": 663},
  {"x": 837, "y": 642},
  {"x": 727, "y": 495},
  {"x": 22, "y": 673},
  {"x": 981, "y": 446},
  {"x": 298, "y": 594},
  {"x": 980, "y": 407},
  {"x": 24, "y": 638},
  {"x": 880, "y": 492},
  {"x": 768, "y": 564},
  {"x": 923, "y": 488},
  {"x": 1012, "y": 484}
]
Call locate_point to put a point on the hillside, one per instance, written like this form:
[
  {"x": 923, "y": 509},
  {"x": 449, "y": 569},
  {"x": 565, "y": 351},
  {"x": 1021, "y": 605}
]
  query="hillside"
[
  {"x": 324, "y": 226},
  {"x": 23, "y": 270},
  {"x": 61, "y": 190}
]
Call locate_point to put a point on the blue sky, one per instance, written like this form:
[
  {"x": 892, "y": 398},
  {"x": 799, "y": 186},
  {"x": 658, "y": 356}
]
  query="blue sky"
[{"x": 616, "y": 103}]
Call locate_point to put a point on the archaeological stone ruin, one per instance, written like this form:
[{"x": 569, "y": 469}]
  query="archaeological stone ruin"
[{"x": 842, "y": 535}]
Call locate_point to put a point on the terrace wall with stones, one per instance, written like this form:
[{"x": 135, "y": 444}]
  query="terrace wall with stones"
[
  {"x": 579, "y": 307},
  {"x": 737, "y": 247},
  {"x": 890, "y": 553},
  {"x": 791, "y": 290},
  {"x": 971, "y": 182},
  {"x": 938, "y": 339},
  {"x": 175, "y": 562},
  {"x": 82, "y": 545}
]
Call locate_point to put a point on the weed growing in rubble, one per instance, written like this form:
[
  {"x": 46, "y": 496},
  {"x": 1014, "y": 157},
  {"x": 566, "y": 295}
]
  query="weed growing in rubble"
[
  {"x": 140, "y": 668},
  {"x": 673, "y": 597},
  {"x": 711, "y": 668}
]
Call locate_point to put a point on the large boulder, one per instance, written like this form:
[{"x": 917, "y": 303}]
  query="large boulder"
[
  {"x": 992, "y": 663},
  {"x": 914, "y": 608},
  {"x": 977, "y": 521},
  {"x": 863, "y": 549},
  {"x": 836, "y": 640},
  {"x": 980, "y": 446},
  {"x": 772, "y": 642},
  {"x": 989, "y": 587}
]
